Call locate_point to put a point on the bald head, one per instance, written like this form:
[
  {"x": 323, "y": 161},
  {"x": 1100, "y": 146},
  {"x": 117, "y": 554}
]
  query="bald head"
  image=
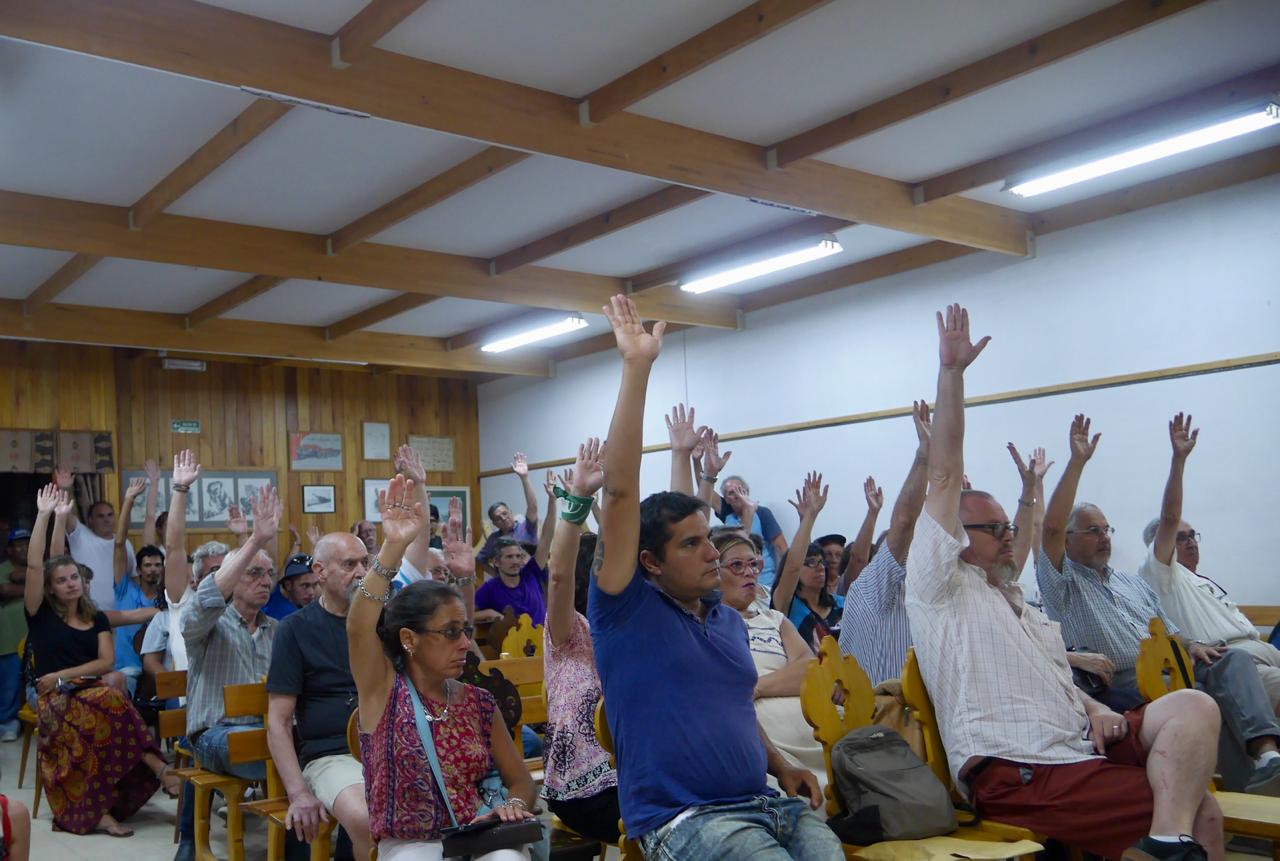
[{"x": 335, "y": 546}]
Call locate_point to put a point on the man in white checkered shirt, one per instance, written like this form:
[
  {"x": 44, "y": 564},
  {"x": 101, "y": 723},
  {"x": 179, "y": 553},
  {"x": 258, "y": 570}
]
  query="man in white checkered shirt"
[{"x": 1032, "y": 748}]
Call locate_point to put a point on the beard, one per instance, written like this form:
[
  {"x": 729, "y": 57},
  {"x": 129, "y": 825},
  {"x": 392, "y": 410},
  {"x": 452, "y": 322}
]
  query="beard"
[
  {"x": 352, "y": 589},
  {"x": 1004, "y": 572}
]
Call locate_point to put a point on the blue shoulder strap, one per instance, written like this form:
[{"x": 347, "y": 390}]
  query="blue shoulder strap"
[{"x": 428, "y": 744}]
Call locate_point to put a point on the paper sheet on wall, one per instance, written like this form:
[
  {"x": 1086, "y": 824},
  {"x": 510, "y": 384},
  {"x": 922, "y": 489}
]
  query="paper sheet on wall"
[{"x": 436, "y": 452}]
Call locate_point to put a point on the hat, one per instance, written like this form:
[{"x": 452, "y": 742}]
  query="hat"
[
  {"x": 17, "y": 534},
  {"x": 831, "y": 539},
  {"x": 296, "y": 565}
]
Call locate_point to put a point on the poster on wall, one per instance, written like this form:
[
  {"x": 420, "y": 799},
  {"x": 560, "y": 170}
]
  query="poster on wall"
[
  {"x": 372, "y": 486},
  {"x": 377, "y": 441},
  {"x": 138, "y": 516},
  {"x": 440, "y": 499},
  {"x": 210, "y": 499},
  {"x": 15, "y": 451},
  {"x": 436, "y": 452},
  {"x": 247, "y": 488},
  {"x": 75, "y": 451},
  {"x": 318, "y": 499},
  {"x": 315, "y": 452},
  {"x": 216, "y": 498}
]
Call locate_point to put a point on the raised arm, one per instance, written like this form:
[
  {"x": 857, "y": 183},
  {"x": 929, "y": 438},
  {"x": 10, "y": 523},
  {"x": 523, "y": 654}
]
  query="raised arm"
[
  {"x": 808, "y": 504},
  {"x": 1064, "y": 495},
  {"x": 621, "y": 528},
  {"x": 1183, "y": 440},
  {"x": 152, "y": 470},
  {"x": 459, "y": 555},
  {"x": 62, "y": 513},
  {"x": 119, "y": 555},
  {"x": 684, "y": 439},
  {"x": 266, "y": 520},
  {"x": 401, "y": 520},
  {"x": 906, "y": 508},
  {"x": 1030, "y": 516},
  {"x": 860, "y": 552},
  {"x": 946, "y": 449},
  {"x": 712, "y": 464},
  {"x": 520, "y": 466},
  {"x": 548, "y": 525},
  {"x": 588, "y": 476},
  {"x": 409, "y": 464},
  {"x": 65, "y": 481},
  {"x": 177, "y": 570},
  {"x": 33, "y": 592}
]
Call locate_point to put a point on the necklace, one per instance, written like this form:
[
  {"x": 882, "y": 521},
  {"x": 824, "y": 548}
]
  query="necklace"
[{"x": 444, "y": 715}]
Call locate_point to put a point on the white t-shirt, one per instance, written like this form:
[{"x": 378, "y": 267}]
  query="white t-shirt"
[
  {"x": 1198, "y": 606},
  {"x": 177, "y": 643},
  {"x": 99, "y": 555}
]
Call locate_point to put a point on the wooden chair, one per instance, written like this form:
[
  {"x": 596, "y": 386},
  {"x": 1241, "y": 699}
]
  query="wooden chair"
[
  {"x": 171, "y": 727},
  {"x": 628, "y": 848},
  {"x": 238, "y": 701},
  {"x": 491, "y": 648},
  {"x": 505, "y": 677},
  {"x": 525, "y": 639},
  {"x": 28, "y": 721}
]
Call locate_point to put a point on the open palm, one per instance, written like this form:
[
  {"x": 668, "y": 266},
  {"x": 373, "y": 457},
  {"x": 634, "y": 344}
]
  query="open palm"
[
  {"x": 588, "y": 469},
  {"x": 955, "y": 350},
  {"x": 1182, "y": 436},
  {"x": 401, "y": 516},
  {"x": 459, "y": 554},
  {"x": 634, "y": 343}
]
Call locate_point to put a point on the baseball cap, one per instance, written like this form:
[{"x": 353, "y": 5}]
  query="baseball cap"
[
  {"x": 296, "y": 565},
  {"x": 18, "y": 533}
]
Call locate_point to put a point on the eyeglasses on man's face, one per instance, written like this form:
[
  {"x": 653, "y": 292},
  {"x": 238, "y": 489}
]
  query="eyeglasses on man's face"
[
  {"x": 1095, "y": 531},
  {"x": 1184, "y": 537},
  {"x": 995, "y": 528},
  {"x": 452, "y": 632}
]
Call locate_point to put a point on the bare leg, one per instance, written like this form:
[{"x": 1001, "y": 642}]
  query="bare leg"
[
  {"x": 1258, "y": 746},
  {"x": 171, "y": 783},
  {"x": 20, "y": 823},
  {"x": 1208, "y": 828},
  {"x": 352, "y": 813},
  {"x": 1180, "y": 734}
]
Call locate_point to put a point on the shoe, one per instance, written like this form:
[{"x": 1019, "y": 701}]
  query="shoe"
[
  {"x": 186, "y": 851},
  {"x": 9, "y": 735},
  {"x": 1265, "y": 779},
  {"x": 1147, "y": 849}
]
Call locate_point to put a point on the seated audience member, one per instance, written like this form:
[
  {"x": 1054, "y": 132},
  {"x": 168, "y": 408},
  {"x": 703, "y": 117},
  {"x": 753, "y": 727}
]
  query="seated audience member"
[
  {"x": 98, "y": 762},
  {"x": 406, "y": 654},
  {"x": 832, "y": 546},
  {"x": 735, "y": 507},
  {"x": 780, "y": 654},
  {"x": 139, "y": 596},
  {"x": 16, "y": 819},
  {"x": 1107, "y": 611},
  {"x": 94, "y": 544},
  {"x": 162, "y": 645},
  {"x": 1198, "y": 605},
  {"x": 801, "y": 589},
  {"x": 299, "y": 585},
  {"x": 228, "y": 640},
  {"x": 877, "y": 632},
  {"x": 504, "y": 522},
  {"x": 857, "y": 554},
  {"x": 367, "y": 532},
  {"x": 13, "y": 627},
  {"x": 310, "y": 679},
  {"x": 1030, "y": 747},
  {"x": 521, "y": 585},
  {"x": 581, "y": 787},
  {"x": 699, "y": 793}
]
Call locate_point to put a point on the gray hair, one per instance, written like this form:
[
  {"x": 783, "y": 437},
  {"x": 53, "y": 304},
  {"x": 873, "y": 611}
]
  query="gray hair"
[
  {"x": 203, "y": 552},
  {"x": 742, "y": 481},
  {"x": 1076, "y": 511},
  {"x": 1149, "y": 534}
]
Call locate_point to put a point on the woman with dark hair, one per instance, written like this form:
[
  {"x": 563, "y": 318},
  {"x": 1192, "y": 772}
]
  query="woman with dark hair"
[
  {"x": 406, "y": 655},
  {"x": 581, "y": 786},
  {"x": 98, "y": 762},
  {"x": 801, "y": 589}
]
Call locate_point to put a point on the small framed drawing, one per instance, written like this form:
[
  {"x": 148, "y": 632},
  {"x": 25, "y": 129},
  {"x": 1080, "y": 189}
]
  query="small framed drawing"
[
  {"x": 372, "y": 486},
  {"x": 320, "y": 452},
  {"x": 377, "y": 441},
  {"x": 318, "y": 499}
]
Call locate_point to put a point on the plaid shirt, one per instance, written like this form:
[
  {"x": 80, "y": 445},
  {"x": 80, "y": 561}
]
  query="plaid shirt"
[
  {"x": 1101, "y": 614},
  {"x": 220, "y": 652},
  {"x": 875, "y": 629}
]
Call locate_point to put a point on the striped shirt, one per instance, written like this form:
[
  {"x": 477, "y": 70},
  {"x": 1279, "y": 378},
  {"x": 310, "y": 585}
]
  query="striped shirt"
[
  {"x": 220, "y": 652},
  {"x": 1104, "y": 614},
  {"x": 875, "y": 629},
  {"x": 995, "y": 667}
]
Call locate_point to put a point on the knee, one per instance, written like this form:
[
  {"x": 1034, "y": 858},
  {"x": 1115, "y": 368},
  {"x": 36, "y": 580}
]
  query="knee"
[
  {"x": 116, "y": 680},
  {"x": 1209, "y": 815},
  {"x": 1193, "y": 706}
]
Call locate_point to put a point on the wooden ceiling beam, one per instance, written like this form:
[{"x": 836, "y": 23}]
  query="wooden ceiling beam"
[
  {"x": 90, "y": 228},
  {"x": 1206, "y": 105},
  {"x": 1035, "y": 53},
  {"x": 377, "y": 314},
  {"x": 670, "y": 198},
  {"x": 233, "y": 298},
  {"x": 375, "y": 20},
  {"x": 59, "y": 281},
  {"x": 81, "y": 324},
  {"x": 719, "y": 40},
  {"x": 435, "y": 190},
  {"x": 210, "y": 43}
]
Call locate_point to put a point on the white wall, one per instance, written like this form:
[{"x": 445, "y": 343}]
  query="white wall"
[{"x": 1187, "y": 282}]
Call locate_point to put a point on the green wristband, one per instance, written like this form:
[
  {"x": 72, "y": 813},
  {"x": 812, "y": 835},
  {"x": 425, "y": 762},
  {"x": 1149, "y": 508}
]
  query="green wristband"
[{"x": 576, "y": 508}]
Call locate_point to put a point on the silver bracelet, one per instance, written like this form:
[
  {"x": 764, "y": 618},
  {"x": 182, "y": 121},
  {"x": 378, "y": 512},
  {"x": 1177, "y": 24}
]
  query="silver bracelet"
[
  {"x": 366, "y": 593},
  {"x": 518, "y": 802},
  {"x": 376, "y": 567}
]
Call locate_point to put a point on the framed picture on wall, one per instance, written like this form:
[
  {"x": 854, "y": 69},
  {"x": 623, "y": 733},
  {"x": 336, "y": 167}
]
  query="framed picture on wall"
[
  {"x": 247, "y": 488},
  {"x": 320, "y": 452},
  {"x": 217, "y": 495},
  {"x": 377, "y": 441},
  {"x": 372, "y": 486},
  {"x": 440, "y": 497},
  {"x": 211, "y": 497},
  {"x": 318, "y": 499}
]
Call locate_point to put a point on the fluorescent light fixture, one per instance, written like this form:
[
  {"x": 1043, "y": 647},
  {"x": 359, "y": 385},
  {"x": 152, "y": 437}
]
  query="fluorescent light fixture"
[
  {"x": 1141, "y": 155},
  {"x": 568, "y": 324},
  {"x": 823, "y": 247},
  {"x": 182, "y": 364}
]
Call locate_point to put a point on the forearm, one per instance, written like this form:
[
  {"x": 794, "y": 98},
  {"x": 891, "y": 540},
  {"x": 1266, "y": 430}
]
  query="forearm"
[
  {"x": 545, "y": 531},
  {"x": 784, "y": 682},
  {"x": 1059, "y": 510},
  {"x": 1170, "y": 511},
  {"x": 789, "y": 577},
  {"x": 530, "y": 500},
  {"x": 153, "y": 663},
  {"x": 681, "y": 472},
  {"x": 33, "y": 589},
  {"x": 119, "y": 555},
  {"x": 280, "y": 743},
  {"x": 775, "y": 764},
  {"x": 1024, "y": 520},
  {"x": 137, "y": 616},
  {"x": 621, "y": 527},
  {"x": 906, "y": 508},
  {"x": 234, "y": 567},
  {"x": 177, "y": 571},
  {"x": 946, "y": 451},
  {"x": 149, "y": 516},
  {"x": 58, "y": 542},
  {"x": 860, "y": 553},
  {"x": 560, "y": 580}
]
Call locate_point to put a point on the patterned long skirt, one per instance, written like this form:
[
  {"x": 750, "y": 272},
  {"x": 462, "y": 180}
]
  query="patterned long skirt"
[{"x": 91, "y": 746}]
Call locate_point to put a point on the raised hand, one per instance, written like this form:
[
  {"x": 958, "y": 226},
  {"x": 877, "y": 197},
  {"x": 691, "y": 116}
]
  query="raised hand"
[
  {"x": 680, "y": 429},
  {"x": 955, "y": 350},
  {"x": 409, "y": 464},
  {"x": 47, "y": 498},
  {"x": 1182, "y": 436},
  {"x": 1025, "y": 471},
  {"x": 266, "y": 513},
  {"x": 520, "y": 464},
  {"x": 634, "y": 343},
  {"x": 62, "y": 507},
  {"x": 550, "y": 484},
  {"x": 1081, "y": 445},
  {"x": 1040, "y": 463},
  {"x": 185, "y": 468},
  {"x": 401, "y": 516},
  {"x": 237, "y": 523},
  {"x": 712, "y": 460},
  {"x": 314, "y": 535},
  {"x": 874, "y": 494},
  {"x": 63, "y": 478},
  {"x": 152, "y": 469},
  {"x": 459, "y": 554},
  {"x": 135, "y": 488},
  {"x": 293, "y": 533},
  {"x": 924, "y": 428},
  {"x": 811, "y": 497},
  {"x": 588, "y": 469}
]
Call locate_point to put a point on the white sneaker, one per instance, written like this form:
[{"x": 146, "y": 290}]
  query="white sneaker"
[{"x": 9, "y": 735}]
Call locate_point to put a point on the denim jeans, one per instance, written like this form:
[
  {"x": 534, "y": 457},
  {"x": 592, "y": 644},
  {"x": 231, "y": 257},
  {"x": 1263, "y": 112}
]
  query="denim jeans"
[
  {"x": 210, "y": 748},
  {"x": 773, "y": 829},
  {"x": 10, "y": 690}
]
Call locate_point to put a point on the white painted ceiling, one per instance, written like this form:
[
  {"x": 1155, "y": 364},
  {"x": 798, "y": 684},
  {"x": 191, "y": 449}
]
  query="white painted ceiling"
[
  {"x": 24, "y": 269},
  {"x": 141, "y": 286}
]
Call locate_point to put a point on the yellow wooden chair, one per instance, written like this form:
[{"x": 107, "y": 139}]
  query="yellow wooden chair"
[
  {"x": 525, "y": 639},
  {"x": 171, "y": 727},
  {"x": 628, "y": 848},
  {"x": 238, "y": 701},
  {"x": 28, "y": 722}
]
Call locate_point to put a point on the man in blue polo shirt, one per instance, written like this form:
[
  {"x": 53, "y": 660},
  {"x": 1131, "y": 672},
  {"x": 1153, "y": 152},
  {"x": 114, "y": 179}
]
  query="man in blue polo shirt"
[{"x": 675, "y": 669}]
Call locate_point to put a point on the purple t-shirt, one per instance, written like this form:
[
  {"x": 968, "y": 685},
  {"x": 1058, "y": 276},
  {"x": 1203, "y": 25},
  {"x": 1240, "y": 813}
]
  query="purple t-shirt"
[{"x": 529, "y": 595}]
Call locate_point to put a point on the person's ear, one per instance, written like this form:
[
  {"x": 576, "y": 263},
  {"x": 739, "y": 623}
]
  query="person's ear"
[{"x": 650, "y": 562}]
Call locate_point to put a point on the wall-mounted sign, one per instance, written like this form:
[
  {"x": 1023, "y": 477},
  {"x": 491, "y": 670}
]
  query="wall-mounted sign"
[{"x": 185, "y": 426}]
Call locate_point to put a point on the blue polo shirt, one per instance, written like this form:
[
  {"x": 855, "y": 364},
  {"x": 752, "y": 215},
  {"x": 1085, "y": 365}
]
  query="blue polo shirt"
[{"x": 677, "y": 692}]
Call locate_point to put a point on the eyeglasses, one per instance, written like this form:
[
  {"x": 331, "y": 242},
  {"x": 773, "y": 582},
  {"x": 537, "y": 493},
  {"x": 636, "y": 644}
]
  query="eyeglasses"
[
  {"x": 440, "y": 573},
  {"x": 1184, "y": 537},
  {"x": 1095, "y": 531},
  {"x": 815, "y": 562},
  {"x": 741, "y": 566},
  {"x": 996, "y": 529},
  {"x": 259, "y": 574},
  {"x": 452, "y": 632}
]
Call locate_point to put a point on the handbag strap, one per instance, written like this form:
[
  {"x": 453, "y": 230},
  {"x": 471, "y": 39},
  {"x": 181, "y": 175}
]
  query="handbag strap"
[{"x": 428, "y": 744}]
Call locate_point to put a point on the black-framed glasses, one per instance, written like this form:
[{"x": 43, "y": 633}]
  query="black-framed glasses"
[
  {"x": 453, "y": 632},
  {"x": 1095, "y": 531},
  {"x": 815, "y": 562},
  {"x": 995, "y": 528},
  {"x": 1184, "y": 537}
]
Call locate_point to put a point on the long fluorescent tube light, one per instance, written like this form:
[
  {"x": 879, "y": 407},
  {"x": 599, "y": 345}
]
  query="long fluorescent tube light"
[
  {"x": 568, "y": 324},
  {"x": 825, "y": 247},
  {"x": 1143, "y": 154}
]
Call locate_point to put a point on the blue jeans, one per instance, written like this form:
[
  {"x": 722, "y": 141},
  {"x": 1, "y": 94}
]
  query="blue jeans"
[
  {"x": 210, "y": 748},
  {"x": 10, "y": 691},
  {"x": 772, "y": 829}
]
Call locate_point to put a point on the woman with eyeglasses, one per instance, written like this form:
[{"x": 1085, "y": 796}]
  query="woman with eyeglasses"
[
  {"x": 801, "y": 589},
  {"x": 780, "y": 654},
  {"x": 406, "y": 654}
]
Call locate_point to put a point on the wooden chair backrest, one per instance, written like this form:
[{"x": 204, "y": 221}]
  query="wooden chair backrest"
[
  {"x": 245, "y": 700},
  {"x": 510, "y": 704},
  {"x": 917, "y": 697},
  {"x": 1163, "y": 664},
  {"x": 171, "y": 684},
  {"x": 353, "y": 735},
  {"x": 171, "y": 723},
  {"x": 525, "y": 639},
  {"x": 829, "y": 724},
  {"x": 492, "y": 646},
  {"x": 602, "y": 731}
]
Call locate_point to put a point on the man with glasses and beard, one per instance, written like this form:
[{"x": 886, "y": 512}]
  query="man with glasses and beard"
[{"x": 310, "y": 678}]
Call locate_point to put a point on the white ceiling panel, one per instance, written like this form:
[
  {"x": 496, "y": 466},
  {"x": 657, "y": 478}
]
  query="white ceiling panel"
[
  {"x": 1180, "y": 55},
  {"x": 135, "y": 285},
  {"x": 845, "y": 55},
  {"x": 703, "y": 225},
  {"x": 94, "y": 130},
  {"x": 322, "y": 16},
  {"x": 446, "y": 317},
  {"x": 569, "y": 47},
  {"x": 316, "y": 171},
  {"x": 310, "y": 303},
  {"x": 526, "y": 201},
  {"x": 24, "y": 269}
]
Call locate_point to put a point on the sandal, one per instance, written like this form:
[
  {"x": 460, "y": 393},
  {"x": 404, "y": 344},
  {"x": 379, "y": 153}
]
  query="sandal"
[{"x": 167, "y": 787}]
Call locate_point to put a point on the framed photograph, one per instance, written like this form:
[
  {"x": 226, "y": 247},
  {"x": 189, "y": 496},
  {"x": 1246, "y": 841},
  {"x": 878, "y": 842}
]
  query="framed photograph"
[
  {"x": 247, "y": 487},
  {"x": 377, "y": 441},
  {"x": 315, "y": 452},
  {"x": 139, "y": 513},
  {"x": 318, "y": 499},
  {"x": 440, "y": 499},
  {"x": 210, "y": 498},
  {"x": 217, "y": 495},
  {"x": 372, "y": 486}
]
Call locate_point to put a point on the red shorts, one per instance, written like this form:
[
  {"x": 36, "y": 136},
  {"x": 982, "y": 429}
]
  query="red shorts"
[{"x": 1102, "y": 806}]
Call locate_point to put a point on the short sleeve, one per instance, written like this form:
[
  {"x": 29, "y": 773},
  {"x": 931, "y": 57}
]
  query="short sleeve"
[
  {"x": 607, "y": 613},
  {"x": 100, "y": 623},
  {"x": 533, "y": 569},
  {"x": 769, "y": 527},
  {"x": 156, "y": 638},
  {"x": 934, "y": 560},
  {"x": 285, "y": 673},
  {"x": 485, "y": 599},
  {"x": 725, "y": 511}
]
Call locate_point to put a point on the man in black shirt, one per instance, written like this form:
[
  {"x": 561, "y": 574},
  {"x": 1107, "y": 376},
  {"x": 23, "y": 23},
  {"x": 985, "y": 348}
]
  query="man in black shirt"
[{"x": 310, "y": 676}]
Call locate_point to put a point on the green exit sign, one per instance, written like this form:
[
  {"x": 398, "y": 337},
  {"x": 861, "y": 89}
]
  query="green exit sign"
[{"x": 185, "y": 426}]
